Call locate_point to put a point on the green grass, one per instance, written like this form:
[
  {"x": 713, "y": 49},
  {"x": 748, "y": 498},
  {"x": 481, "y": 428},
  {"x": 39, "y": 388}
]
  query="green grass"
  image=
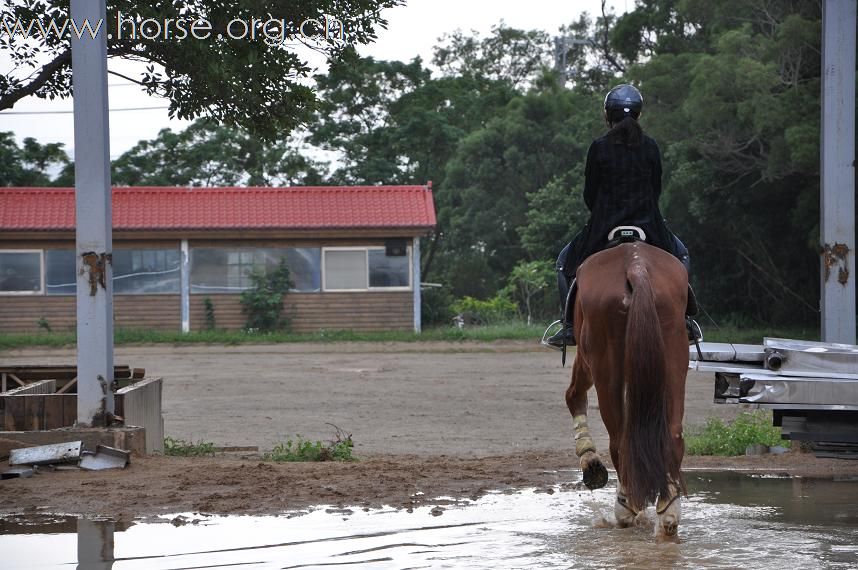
[
  {"x": 719, "y": 438},
  {"x": 514, "y": 330},
  {"x": 182, "y": 448},
  {"x": 302, "y": 449}
]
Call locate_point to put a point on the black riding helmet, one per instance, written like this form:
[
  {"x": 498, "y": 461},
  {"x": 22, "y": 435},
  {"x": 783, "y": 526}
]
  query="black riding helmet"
[{"x": 623, "y": 100}]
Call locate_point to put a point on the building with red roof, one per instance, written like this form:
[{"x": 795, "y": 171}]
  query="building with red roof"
[{"x": 354, "y": 255}]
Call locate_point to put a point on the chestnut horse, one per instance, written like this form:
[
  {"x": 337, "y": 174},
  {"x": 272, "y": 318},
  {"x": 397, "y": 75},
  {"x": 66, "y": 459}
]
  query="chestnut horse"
[{"x": 632, "y": 345}]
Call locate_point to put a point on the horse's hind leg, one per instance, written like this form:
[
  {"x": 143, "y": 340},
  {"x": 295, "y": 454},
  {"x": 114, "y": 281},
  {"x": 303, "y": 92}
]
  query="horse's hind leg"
[
  {"x": 668, "y": 510},
  {"x": 594, "y": 471}
]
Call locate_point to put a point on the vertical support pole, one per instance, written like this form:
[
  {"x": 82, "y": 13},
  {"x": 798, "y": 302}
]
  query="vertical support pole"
[
  {"x": 186, "y": 287},
  {"x": 93, "y": 217},
  {"x": 415, "y": 282},
  {"x": 837, "y": 195}
]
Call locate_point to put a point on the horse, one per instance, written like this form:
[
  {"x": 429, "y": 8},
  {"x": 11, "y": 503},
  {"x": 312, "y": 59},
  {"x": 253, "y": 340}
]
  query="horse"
[{"x": 629, "y": 319}]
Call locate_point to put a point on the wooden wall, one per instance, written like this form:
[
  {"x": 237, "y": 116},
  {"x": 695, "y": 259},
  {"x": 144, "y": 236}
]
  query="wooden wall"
[
  {"x": 311, "y": 312},
  {"x": 21, "y": 313}
]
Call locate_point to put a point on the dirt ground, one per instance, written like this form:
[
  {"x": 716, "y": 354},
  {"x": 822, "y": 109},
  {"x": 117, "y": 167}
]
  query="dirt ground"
[{"x": 428, "y": 420}]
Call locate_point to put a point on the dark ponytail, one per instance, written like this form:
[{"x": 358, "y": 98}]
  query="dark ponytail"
[{"x": 624, "y": 129}]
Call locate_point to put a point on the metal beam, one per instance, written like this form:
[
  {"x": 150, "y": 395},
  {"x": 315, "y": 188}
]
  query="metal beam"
[
  {"x": 94, "y": 241},
  {"x": 837, "y": 206}
]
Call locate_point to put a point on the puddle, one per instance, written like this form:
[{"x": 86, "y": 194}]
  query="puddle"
[{"x": 729, "y": 521}]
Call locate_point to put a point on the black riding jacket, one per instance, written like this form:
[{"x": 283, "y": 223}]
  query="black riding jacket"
[{"x": 621, "y": 188}]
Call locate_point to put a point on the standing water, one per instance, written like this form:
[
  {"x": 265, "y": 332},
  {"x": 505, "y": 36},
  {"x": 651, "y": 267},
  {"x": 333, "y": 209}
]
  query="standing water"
[{"x": 729, "y": 521}]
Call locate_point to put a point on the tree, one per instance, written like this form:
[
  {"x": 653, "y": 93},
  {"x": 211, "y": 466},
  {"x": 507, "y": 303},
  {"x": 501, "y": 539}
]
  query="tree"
[
  {"x": 537, "y": 137},
  {"x": 255, "y": 84},
  {"x": 734, "y": 101},
  {"x": 529, "y": 279},
  {"x": 516, "y": 57},
  {"x": 205, "y": 154},
  {"x": 34, "y": 164}
]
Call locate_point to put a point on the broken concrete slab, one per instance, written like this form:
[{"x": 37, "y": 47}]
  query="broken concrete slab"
[
  {"x": 68, "y": 452},
  {"x": 17, "y": 472},
  {"x": 104, "y": 458}
]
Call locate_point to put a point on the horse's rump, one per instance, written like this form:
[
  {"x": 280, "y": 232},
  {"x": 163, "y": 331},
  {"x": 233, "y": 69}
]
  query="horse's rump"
[{"x": 630, "y": 328}]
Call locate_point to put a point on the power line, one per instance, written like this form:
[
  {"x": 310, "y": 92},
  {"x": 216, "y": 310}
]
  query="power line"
[{"x": 71, "y": 112}]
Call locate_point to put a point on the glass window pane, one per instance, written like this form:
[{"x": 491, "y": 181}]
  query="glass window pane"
[
  {"x": 305, "y": 266},
  {"x": 146, "y": 271},
  {"x": 20, "y": 271},
  {"x": 60, "y": 274},
  {"x": 221, "y": 270},
  {"x": 345, "y": 269},
  {"x": 388, "y": 271}
]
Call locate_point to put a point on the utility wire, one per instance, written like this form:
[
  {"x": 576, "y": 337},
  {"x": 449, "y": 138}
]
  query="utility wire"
[{"x": 71, "y": 112}]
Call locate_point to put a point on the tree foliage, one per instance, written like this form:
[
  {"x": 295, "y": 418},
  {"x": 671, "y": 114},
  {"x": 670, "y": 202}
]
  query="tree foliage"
[
  {"x": 205, "y": 154},
  {"x": 32, "y": 164},
  {"x": 255, "y": 84}
]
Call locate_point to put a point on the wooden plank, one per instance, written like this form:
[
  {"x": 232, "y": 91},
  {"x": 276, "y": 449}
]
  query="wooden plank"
[
  {"x": 34, "y": 411},
  {"x": 14, "y": 414},
  {"x": 54, "y": 412},
  {"x": 69, "y": 409}
]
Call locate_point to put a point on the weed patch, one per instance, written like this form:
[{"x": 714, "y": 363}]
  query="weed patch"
[
  {"x": 182, "y": 448},
  {"x": 717, "y": 437},
  {"x": 300, "y": 449}
]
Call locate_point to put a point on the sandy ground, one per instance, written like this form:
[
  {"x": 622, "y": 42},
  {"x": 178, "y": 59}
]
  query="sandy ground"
[{"x": 428, "y": 420}]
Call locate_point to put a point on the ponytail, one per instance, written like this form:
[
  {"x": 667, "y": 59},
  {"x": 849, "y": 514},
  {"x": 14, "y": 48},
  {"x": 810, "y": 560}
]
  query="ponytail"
[{"x": 624, "y": 129}]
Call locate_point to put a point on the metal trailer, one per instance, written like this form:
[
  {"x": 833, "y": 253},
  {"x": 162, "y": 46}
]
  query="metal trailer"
[{"x": 811, "y": 387}]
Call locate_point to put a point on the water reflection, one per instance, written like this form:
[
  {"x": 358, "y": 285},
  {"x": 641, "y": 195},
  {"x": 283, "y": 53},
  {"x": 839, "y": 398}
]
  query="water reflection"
[
  {"x": 95, "y": 544},
  {"x": 729, "y": 521}
]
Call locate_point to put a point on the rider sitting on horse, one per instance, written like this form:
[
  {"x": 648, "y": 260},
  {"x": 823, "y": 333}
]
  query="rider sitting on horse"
[{"x": 621, "y": 188}]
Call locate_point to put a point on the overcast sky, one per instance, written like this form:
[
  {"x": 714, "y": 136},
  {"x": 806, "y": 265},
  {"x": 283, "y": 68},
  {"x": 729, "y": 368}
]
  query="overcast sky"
[{"x": 412, "y": 30}]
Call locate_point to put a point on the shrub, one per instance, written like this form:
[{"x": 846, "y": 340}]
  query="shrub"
[
  {"x": 263, "y": 303},
  {"x": 436, "y": 306},
  {"x": 492, "y": 311},
  {"x": 208, "y": 306},
  {"x": 719, "y": 438}
]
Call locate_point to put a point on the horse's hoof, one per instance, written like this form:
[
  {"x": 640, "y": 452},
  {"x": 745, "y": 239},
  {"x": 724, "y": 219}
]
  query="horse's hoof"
[{"x": 595, "y": 474}]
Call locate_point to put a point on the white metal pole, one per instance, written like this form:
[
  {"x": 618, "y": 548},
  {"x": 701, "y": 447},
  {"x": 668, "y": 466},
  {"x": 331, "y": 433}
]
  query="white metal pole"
[
  {"x": 93, "y": 216},
  {"x": 838, "y": 171},
  {"x": 415, "y": 283},
  {"x": 186, "y": 287}
]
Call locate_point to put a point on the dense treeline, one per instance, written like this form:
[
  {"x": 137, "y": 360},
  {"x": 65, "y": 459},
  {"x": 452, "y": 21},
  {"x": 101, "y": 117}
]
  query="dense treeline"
[{"x": 732, "y": 95}]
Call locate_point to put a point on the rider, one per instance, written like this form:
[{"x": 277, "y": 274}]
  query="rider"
[{"x": 621, "y": 188}]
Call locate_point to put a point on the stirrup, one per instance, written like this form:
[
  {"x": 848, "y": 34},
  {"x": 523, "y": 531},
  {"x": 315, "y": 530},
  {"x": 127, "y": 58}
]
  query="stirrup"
[
  {"x": 695, "y": 333},
  {"x": 548, "y": 334}
]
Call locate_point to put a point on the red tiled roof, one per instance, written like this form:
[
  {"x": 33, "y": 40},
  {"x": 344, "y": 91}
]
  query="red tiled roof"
[{"x": 174, "y": 208}]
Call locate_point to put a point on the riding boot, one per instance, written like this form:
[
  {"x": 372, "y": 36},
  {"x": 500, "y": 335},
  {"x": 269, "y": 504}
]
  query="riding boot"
[{"x": 566, "y": 334}]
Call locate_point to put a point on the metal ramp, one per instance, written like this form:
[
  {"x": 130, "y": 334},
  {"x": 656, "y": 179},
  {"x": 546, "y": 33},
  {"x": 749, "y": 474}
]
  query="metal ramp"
[{"x": 812, "y": 387}]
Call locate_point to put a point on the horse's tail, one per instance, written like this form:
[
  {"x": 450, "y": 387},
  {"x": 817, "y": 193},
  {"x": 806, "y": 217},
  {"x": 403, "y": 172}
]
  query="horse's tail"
[{"x": 648, "y": 459}]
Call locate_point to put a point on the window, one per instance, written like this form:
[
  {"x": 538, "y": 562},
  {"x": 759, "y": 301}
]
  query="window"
[
  {"x": 388, "y": 270},
  {"x": 21, "y": 271},
  {"x": 345, "y": 269},
  {"x": 147, "y": 271},
  {"x": 60, "y": 274},
  {"x": 220, "y": 270},
  {"x": 366, "y": 268}
]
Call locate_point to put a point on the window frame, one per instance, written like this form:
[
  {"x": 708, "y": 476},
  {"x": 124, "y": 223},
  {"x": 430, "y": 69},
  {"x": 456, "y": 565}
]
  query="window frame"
[
  {"x": 41, "y": 290},
  {"x": 366, "y": 249}
]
